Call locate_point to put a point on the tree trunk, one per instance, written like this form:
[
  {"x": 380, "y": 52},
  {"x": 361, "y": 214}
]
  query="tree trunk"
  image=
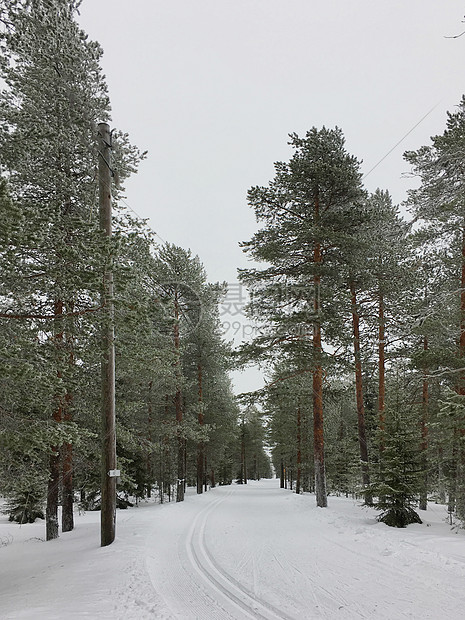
[
  {"x": 320, "y": 478},
  {"x": 381, "y": 370},
  {"x": 441, "y": 477},
  {"x": 201, "y": 445},
  {"x": 243, "y": 457},
  {"x": 67, "y": 516},
  {"x": 461, "y": 385},
  {"x": 423, "y": 504},
  {"x": 181, "y": 472},
  {"x": 460, "y": 490},
  {"x": 299, "y": 452},
  {"x": 308, "y": 478},
  {"x": 282, "y": 476},
  {"x": 452, "y": 475},
  {"x": 149, "y": 438},
  {"x": 362, "y": 440},
  {"x": 51, "y": 511},
  {"x": 318, "y": 436}
]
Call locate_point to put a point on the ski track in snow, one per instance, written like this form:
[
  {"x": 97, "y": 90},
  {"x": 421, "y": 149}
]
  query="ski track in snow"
[
  {"x": 237, "y": 597},
  {"x": 241, "y": 552}
]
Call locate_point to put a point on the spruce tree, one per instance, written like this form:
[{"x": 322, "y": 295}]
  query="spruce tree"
[{"x": 397, "y": 484}]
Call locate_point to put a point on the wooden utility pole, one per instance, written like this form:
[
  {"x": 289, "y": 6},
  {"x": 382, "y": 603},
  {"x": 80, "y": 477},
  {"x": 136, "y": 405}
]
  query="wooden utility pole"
[{"x": 108, "y": 512}]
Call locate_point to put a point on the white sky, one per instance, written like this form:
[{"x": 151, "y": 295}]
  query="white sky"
[{"x": 212, "y": 88}]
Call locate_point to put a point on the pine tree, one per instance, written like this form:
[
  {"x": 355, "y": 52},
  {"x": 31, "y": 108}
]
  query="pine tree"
[
  {"x": 308, "y": 211},
  {"x": 54, "y": 96},
  {"x": 439, "y": 208}
]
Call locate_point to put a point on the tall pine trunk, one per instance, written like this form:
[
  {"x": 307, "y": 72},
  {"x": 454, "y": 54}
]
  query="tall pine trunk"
[
  {"x": 201, "y": 445},
  {"x": 51, "y": 511},
  {"x": 181, "y": 471},
  {"x": 460, "y": 488},
  {"x": 67, "y": 516},
  {"x": 381, "y": 370},
  {"x": 243, "y": 456},
  {"x": 149, "y": 438},
  {"x": 299, "y": 452},
  {"x": 424, "y": 438},
  {"x": 362, "y": 440},
  {"x": 318, "y": 435}
]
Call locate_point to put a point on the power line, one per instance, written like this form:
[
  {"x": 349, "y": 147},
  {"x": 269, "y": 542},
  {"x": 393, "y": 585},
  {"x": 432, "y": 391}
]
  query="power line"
[
  {"x": 126, "y": 204},
  {"x": 401, "y": 140}
]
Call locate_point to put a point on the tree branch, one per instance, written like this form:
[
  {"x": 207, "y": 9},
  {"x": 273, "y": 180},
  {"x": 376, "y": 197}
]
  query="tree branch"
[{"x": 43, "y": 317}]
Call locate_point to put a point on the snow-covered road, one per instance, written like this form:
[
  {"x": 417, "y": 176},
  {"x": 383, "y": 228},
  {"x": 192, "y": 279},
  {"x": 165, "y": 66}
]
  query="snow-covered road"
[{"x": 243, "y": 551}]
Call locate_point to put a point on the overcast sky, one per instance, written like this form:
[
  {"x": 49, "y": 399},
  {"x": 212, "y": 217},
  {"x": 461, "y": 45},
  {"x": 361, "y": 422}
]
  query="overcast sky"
[{"x": 212, "y": 88}]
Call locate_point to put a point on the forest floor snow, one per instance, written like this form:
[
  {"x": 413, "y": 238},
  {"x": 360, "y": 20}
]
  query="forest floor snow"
[{"x": 243, "y": 551}]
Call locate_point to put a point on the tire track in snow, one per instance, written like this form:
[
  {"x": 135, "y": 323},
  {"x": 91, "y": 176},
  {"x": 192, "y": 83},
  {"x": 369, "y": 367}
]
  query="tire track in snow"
[{"x": 235, "y": 597}]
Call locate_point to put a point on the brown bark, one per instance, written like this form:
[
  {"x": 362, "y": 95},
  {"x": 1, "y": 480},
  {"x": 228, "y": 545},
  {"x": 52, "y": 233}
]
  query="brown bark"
[
  {"x": 381, "y": 370},
  {"x": 178, "y": 408},
  {"x": 299, "y": 452},
  {"x": 201, "y": 445},
  {"x": 320, "y": 477},
  {"x": 424, "y": 437},
  {"x": 460, "y": 468},
  {"x": 282, "y": 475},
  {"x": 149, "y": 437},
  {"x": 461, "y": 380},
  {"x": 243, "y": 457},
  {"x": 362, "y": 440}
]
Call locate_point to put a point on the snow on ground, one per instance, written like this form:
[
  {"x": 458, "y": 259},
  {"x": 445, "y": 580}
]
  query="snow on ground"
[{"x": 243, "y": 551}]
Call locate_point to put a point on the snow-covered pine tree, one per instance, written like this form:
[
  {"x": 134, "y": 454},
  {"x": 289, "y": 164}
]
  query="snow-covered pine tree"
[
  {"x": 53, "y": 97},
  {"x": 377, "y": 278},
  {"x": 308, "y": 212},
  {"x": 205, "y": 365},
  {"x": 439, "y": 207},
  {"x": 287, "y": 407}
]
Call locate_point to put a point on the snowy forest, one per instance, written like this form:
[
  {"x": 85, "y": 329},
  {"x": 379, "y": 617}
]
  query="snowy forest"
[
  {"x": 358, "y": 303},
  {"x": 358, "y": 313},
  {"x": 178, "y": 422}
]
